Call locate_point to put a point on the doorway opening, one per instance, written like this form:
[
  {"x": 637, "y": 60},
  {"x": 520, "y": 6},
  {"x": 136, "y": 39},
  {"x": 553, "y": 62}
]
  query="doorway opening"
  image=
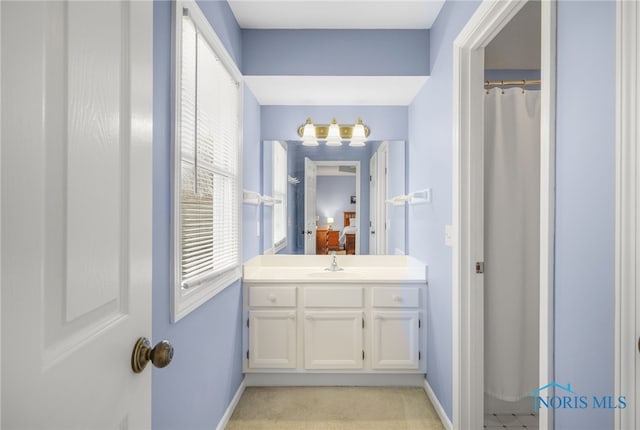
[{"x": 469, "y": 202}]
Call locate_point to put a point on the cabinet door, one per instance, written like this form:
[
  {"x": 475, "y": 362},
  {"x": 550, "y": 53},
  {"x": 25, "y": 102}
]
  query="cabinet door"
[
  {"x": 395, "y": 340},
  {"x": 272, "y": 339},
  {"x": 333, "y": 340}
]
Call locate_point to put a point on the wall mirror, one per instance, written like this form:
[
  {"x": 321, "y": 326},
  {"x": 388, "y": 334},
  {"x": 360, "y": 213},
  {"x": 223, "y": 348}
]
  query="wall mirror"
[{"x": 325, "y": 199}]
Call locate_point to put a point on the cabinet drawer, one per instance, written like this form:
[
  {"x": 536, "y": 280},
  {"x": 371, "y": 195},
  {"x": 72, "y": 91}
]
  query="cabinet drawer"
[
  {"x": 272, "y": 296},
  {"x": 395, "y": 297},
  {"x": 333, "y": 297}
]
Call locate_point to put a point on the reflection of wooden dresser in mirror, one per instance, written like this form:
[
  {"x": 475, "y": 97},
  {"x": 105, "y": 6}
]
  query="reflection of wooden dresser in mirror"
[
  {"x": 333, "y": 240},
  {"x": 321, "y": 240}
]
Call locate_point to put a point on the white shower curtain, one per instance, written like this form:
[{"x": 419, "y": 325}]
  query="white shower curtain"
[{"x": 512, "y": 235}]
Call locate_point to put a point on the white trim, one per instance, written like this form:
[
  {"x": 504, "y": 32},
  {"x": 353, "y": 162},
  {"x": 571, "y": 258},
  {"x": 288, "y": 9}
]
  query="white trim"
[
  {"x": 185, "y": 301},
  {"x": 446, "y": 422},
  {"x": 626, "y": 229},
  {"x": 467, "y": 212},
  {"x": 1, "y": 288},
  {"x": 372, "y": 378},
  {"x": 546, "y": 372},
  {"x": 222, "y": 424}
]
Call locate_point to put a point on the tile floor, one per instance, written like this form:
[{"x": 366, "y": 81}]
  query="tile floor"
[{"x": 510, "y": 421}]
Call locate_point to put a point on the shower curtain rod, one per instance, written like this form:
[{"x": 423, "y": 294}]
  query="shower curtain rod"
[{"x": 522, "y": 82}]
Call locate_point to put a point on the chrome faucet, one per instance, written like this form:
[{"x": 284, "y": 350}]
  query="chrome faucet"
[{"x": 333, "y": 267}]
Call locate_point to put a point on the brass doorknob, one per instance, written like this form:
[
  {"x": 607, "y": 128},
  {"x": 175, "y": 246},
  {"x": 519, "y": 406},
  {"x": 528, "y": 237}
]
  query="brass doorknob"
[{"x": 160, "y": 355}]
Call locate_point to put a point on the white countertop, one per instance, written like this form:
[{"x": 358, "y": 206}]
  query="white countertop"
[{"x": 357, "y": 269}]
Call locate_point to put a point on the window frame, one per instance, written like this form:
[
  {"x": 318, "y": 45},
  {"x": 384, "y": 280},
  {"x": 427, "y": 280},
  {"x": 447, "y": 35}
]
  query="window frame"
[{"x": 185, "y": 300}]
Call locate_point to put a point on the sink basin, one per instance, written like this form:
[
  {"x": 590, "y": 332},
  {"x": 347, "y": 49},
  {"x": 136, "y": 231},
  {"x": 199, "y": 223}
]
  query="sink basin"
[{"x": 330, "y": 274}]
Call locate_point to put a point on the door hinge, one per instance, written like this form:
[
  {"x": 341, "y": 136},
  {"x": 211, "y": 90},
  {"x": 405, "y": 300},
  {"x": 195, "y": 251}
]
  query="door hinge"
[
  {"x": 362, "y": 322},
  {"x": 247, "y": 323},
  {"x": 247, "y": 354},
  {"x": 419, "y": 323},
  {"x": 419, "y": 356},
  {"x": 480, "y": 267},
  {"x": 363, "y": 354},
  {"x": 370, "y": 178}
]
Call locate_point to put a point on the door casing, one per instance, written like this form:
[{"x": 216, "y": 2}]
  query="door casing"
[
  {"x": 627, "y": 213},
  {"x": 467, "y": 295}
]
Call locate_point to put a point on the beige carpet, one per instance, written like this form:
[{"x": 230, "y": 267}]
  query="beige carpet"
[{"x": 334, "y": 408}]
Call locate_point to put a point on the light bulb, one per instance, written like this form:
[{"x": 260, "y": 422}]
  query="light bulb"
[{"x": 333, "y": 137}]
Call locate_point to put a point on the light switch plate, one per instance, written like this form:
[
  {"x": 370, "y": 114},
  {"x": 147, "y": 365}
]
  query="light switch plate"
[{"x": 448, "y": 235}]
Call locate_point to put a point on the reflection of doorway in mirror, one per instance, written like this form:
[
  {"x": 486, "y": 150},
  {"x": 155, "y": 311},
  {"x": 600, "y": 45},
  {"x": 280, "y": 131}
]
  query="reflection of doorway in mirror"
[
  {"x": 337, "y": 191},
  {"x": 378, "y": 195}
]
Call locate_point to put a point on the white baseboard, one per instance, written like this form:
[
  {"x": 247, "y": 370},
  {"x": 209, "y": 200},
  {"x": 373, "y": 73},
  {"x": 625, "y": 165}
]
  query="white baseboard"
[
  {"x": 232, "y": 406},
  {"x": 333, "y": 379},
  {"x": 446, "y": 422}
]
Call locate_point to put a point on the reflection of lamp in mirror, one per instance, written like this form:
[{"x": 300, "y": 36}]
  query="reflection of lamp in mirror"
[
  {"x": 333, "y": 138},
  {"x": 330, "y": 222}
]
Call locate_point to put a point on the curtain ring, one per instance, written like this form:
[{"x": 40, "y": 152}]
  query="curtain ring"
[
  {"x": 524, "y": 84},
  {"x": 487, "y": 85},
  {"x": 502, "y": 86}
]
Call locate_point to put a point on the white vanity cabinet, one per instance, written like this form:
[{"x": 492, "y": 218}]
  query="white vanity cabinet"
[
  {"x": 356, "y": 328},
  {"x": 272, "y": 328}
]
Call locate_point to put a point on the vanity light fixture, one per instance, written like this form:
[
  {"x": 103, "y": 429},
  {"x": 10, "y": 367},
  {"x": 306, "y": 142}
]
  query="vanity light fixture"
[{"x": 333, "y": 133}]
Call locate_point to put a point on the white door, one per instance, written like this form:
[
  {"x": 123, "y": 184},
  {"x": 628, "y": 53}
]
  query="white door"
[
  {"x": 310, "y": 173},
  {"x": 272, "y": 339},
  {"x": 333, "y": 340},
  {"x": 383, "y": 218},
  {"x": 395, "y": 343},
  {"x": 76, "y": 213},
  {"x": 373, "y": 203}
]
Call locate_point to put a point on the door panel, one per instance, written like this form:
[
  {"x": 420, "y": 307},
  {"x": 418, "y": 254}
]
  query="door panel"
[
  {"x": 395, "y": 341},
  {"x": 333, "y": 340},
  {"x": 76, "y": 212},
  {"x": 310, "y": 170},
  {"x": 272, "y": 339},
  {"x": 373, "y": 204}
]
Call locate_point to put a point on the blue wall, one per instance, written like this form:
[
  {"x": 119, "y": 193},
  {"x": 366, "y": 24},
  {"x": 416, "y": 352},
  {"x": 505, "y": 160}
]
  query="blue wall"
[
  {"x": 195, "y": 390},
  {"x": 430, "y": 162},
  {"x": 584, "y": 265},
  {"x": 336, "y": 52}
]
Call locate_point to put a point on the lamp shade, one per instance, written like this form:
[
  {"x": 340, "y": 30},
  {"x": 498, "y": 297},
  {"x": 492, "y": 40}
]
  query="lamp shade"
[
  {"x": 329, "y": 220},
  {"x": 309, "y": 134},
  {"x": 333, "y": 138},
  {"x": 358, "y": 138}
]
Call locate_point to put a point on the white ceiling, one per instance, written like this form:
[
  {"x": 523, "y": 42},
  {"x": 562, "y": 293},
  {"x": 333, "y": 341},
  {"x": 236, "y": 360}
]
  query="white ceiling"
[
  {"x": 333, "y": 14},
  {"x": 335, "y": 90}
]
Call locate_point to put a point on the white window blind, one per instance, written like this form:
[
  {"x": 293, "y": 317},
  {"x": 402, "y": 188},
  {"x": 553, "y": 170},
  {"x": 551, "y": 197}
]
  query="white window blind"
[
  {"x": 209, "y": 176},
  {"x": 279, "y": 196}
]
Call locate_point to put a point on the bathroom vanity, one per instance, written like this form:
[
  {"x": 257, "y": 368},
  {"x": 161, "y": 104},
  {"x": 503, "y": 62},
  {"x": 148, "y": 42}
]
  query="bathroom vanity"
[{"x": 366, "y": 319}]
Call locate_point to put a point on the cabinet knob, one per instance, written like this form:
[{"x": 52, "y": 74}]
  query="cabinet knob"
[
  {"x": 271, "y": 298},
  {"x": 292, "y": 316},
  {"x": 396, "y": 298}
]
